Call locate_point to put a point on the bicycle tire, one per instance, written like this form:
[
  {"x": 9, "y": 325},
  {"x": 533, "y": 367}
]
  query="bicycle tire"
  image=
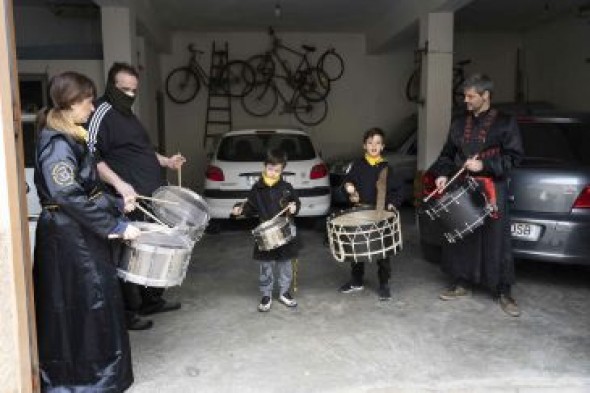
[
  {"x": 413, "y": 86},
  {"x": 312, "y": 113},
  {"x": 182, "y": 85},
  {"x": 314, "y": 85},
  {"x": 332, "y": 64},
  {"x": 237, "y": 78},
  {"x": 263, "y": 66},
  {"x": 261, "y": 100}
]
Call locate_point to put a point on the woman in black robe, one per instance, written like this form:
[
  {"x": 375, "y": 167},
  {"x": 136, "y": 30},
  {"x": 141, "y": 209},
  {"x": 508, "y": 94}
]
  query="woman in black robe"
[{"x": 82, "y": 340}]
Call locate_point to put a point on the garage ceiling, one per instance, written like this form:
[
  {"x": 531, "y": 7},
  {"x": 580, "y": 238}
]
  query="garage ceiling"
[
  {"x": 347, "y": 15},
  {"x": 355, "y": 16}
]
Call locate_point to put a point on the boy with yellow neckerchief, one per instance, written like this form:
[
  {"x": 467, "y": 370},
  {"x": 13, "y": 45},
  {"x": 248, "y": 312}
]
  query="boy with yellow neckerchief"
[
  {"x": 360, "y": 185},
  {"x": 269, "y": 195}
]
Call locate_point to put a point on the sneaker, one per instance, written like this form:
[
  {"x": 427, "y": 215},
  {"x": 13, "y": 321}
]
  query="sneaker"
[
  {"x": 265, "y": 303},
  {"x": 453, "y": 293},
  {"x": 508, "y": 305},
  {"x": 287, "y": 300},
  {"x": 384, "y": 293},
  {"x": 350, "y": 287}
]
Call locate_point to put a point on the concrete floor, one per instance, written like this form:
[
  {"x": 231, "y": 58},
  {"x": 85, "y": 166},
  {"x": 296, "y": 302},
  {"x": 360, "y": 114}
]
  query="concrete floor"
[{"x": 219, "y": 342}]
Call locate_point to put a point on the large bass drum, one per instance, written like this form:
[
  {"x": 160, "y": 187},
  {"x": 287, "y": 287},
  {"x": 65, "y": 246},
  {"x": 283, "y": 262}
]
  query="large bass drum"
[
  {"x": 159, "y": 257},
  {"x": 363, "y": 234},
  {"x": 461, "y": 211}
]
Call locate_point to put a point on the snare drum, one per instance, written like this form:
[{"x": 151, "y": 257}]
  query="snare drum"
[
  {"x": 274, "y": 233},
  {"x": 461, "y": 210},
  {"x": 182, "y": 208},
  {"x": 158, "y": 258},
  {"x": 363, "y": 234}
]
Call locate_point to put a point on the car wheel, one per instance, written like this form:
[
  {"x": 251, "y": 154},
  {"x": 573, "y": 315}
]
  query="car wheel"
[{"x": 431, "y": 252}]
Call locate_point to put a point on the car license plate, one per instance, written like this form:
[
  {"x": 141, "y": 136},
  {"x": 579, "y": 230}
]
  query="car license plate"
[{"x": 522, "y": 231}]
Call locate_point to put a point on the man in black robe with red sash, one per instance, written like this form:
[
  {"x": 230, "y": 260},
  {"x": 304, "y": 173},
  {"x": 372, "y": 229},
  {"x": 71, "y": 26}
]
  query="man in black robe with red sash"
[{"x": 487, "y": 144}]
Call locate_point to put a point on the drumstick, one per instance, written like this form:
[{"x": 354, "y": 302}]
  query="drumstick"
[
  {"x": 147, "y": 213},
  {"x": 155, "y": 230},
  {"x": 279, "y": 213},
  {"x": 156, "y": 199},
  {"x": 179, "y": 175},
  {"x": 439, "y": 190}
]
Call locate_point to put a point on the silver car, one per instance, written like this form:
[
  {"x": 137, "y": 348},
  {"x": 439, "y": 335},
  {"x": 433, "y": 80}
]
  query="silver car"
[{"x": 549, "y": 193}]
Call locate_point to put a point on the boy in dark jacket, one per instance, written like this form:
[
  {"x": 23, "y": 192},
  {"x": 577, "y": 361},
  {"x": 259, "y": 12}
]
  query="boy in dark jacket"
[
  {"x": 360, "y": 185},
  {"x": 268, "y": 197}
]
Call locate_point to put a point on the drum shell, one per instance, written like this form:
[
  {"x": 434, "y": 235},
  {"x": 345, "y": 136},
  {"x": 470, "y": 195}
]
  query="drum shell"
[
  {"x": 188, "y": 211},
  {"x": 156, "y": 265},
  {"x": 463, "y": 207},
  {"x": 364, "y": 242},
  {"x": 274, "y": 233}
]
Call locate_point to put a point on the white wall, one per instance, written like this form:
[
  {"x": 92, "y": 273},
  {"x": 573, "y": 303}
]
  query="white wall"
[
  {"x": 150, "y": 82},
  {"x": 557, "y": 70},
  {"x": 493, "y": 54},
  {"x": 369, "y": 94}
]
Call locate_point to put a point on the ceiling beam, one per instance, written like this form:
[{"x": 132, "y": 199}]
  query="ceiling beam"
[
  {"x": 148, "y": 24},
  {"x": 401, "y": 23}
]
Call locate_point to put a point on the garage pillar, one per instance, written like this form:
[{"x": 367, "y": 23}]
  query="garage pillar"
[
  {"x": 119, "y": 38},
  {"x": 434, "y": 115}
]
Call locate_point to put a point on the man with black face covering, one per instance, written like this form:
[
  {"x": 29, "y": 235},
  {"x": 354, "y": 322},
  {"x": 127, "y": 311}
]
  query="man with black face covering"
[{"x": 127, "y": 162}]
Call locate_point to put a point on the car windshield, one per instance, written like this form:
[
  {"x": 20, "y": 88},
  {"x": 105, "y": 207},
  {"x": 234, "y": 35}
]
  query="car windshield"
[
  {"x": 556, "y": 142},
  {"x": 253, "y": 147}
]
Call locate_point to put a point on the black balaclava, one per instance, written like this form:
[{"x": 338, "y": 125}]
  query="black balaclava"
[{"x": 121, "y": 101}]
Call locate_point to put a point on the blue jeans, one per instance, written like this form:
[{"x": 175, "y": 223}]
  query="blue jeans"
[{"x": 266, "y": 278}]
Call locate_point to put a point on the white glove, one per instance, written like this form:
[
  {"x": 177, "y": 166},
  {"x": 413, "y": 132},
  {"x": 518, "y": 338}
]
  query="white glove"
[
  {"x": 292, "y": 207},
  {"x": 350, "y": 188},
  {"x": 131, "y": 232}
]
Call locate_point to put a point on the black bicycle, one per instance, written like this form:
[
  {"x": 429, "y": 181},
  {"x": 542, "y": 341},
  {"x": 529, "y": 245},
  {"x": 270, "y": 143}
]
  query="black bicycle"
[
  {"x": 312, "y": 82},
  {"x": 183, "y": 84},
  {"x": 265, "y": 95}
]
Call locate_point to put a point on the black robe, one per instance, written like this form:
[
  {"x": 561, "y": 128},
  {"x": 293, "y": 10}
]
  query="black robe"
[
  {"x": 484, "y": 257},
  {"x": 82, "y": 339}
]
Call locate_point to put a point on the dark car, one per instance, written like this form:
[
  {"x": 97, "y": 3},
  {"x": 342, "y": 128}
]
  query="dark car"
[
  {"x": 549, "y": 193},
  {"x": 401, "y": 148}
]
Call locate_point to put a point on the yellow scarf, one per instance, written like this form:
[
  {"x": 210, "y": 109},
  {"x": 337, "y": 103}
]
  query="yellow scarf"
[
  {"x": 57, "y": 121},
  {"x": 373, "y": 160},
  {"x": 270, "y": 181}
]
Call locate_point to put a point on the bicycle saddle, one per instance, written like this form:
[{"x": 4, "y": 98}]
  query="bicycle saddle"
[{"x": 308, "y": 48}]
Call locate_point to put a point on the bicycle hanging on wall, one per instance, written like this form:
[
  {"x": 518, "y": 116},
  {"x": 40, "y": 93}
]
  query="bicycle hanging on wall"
[{"x": 183, "y": 83}]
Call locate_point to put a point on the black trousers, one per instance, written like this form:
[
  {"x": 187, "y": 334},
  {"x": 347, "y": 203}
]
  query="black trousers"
[
  {"x": 137, "y": 296},
  {"x": 357, "y": 270}
]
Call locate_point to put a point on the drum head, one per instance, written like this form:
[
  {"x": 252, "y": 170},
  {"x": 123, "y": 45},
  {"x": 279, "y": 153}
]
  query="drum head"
[
  {"x": 360, "y": 217},
  {"x": 158, "y": 236},
  {"x": 187, "y": 209}
]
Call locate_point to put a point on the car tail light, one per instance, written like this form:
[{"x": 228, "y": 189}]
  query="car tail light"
[
  {"x": 214, "y": 173},
  {"x": 583, "y": 200},
  {"x": 318, "y": 171}
]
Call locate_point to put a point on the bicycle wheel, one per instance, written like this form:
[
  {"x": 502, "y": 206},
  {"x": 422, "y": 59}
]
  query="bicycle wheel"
[
  {"x": 413, "y": 86},
  {"x": 261, "y": 100},
  {"x": 182, "y": 85},
  {"x": 314, "y": 84},
  {"x": 237, "y": 78},
  {"x": 309, "y": 112},
  {"x": 263, "y": 66},
  {"x": 332, "y": 64}
]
